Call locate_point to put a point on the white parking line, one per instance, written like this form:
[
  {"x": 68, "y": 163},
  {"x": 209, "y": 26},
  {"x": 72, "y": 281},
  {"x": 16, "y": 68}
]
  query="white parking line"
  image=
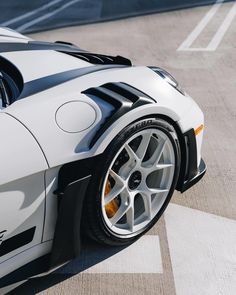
[
  {"x": 143, "y": 256},
  {"x": 201, "y": 25},
  {"x": 30, "y": 13},
  {"x": 46, "y": 16},
  {"x": 222, "y": 29},
  {"x": 217, "y": 38},
  {"x": 202, "y": 250}
]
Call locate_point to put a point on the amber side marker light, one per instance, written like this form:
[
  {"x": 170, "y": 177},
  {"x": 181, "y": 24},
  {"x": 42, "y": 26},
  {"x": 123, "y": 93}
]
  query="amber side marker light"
[{"x": 199, "y": 129}]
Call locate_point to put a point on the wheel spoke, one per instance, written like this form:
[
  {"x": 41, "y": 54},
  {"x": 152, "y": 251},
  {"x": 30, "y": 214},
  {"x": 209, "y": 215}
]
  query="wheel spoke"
[
  {"x": 159, "y": 167},
  {"x": 131, "y": 153},
  {"x": 147, "y": 199},
  {"x": 157, "y": 190},
  {"x": 119, "y": 214},
  {"x": 163, "y": 166},
  {"x": 130, "y": 218},
  {"x": 116, "y": 190},
  {"x": 143, "y": 146},
  {"x": 118, "y": 179},
  {"x": 155, "y": 158}
]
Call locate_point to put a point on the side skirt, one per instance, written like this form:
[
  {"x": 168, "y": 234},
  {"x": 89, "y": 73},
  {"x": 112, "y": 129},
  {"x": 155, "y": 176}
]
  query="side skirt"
[
  {"x": 31, "y": 269},
  {"x": 66, "y": 243}
]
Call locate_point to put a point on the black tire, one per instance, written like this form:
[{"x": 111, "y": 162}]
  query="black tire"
[{"x": 93, "y": 222}]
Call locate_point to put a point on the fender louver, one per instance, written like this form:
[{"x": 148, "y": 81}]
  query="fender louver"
[
  {"x": 122, "y": 97},
  {"x": 100, "y": 59}
]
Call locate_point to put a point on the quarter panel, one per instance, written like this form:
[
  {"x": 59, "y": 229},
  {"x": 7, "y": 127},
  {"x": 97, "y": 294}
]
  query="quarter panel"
[
  {"x": 22, "y": 188},
  {"x": 22, "y": 204},
  {"x": 20, "y": 153}
]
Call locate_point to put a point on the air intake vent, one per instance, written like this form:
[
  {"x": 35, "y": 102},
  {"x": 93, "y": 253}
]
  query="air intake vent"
[
  {"x": 100, "y": 59},
  {"x": 122, "y": 97}
]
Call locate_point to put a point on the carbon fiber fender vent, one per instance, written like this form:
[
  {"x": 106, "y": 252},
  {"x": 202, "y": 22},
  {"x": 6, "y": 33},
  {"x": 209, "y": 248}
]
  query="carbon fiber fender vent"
[{"x": 123, "y": 97}]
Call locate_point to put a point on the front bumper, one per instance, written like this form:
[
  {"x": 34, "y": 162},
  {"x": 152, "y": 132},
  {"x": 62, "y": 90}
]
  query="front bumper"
[
  {"x": 190, "y": 182},
  {"x": 190, "y": 171}
]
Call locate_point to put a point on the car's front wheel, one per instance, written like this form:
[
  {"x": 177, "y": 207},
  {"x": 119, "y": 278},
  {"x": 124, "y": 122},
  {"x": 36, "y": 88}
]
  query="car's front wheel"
[{"x": 132, "y": 183}]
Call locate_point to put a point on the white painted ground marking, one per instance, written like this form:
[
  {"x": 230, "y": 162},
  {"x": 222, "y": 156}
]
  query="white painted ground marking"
[
  {"x": 203, "y": 251},
  {"x": 143, "y": 256},
  {"x": 46, "y": 16},
  {"x": 217, "y": 38},
  {"x": 200, "y": 26},
  {"x": 222, "y": 29},
  {"x": 30, "y": 13}
]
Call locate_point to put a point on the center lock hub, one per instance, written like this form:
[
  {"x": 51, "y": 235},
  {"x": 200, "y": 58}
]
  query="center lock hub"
[{"x": 135, "y": 180}]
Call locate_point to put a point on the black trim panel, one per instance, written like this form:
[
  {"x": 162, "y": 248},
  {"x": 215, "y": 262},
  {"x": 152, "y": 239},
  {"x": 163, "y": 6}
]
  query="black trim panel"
[
  {"x": 17, "y": 241},
  {"x": 67, "y": 48},
  {"x": 12, "y": 71},
  {"x": 191, "y": 145},
  {"x": 41, "y": 84},
  {"x": 201, "y": 172},
  {"x": 190, "y": 172},
  {"x": 66, "y": 243},
  {"x": 102, "y": 59},
  {"x": 31, "y": 269},
  {"x": 122, "y": 96}
]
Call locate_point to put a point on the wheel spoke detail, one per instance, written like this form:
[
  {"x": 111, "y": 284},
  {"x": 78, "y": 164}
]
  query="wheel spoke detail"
[
  {"x": 159, "y": 167},
  {"x": 157, "y": 190},
  {"x": 116, "y": 190},
  {"x": 119, "y": 214},
  {"x": 155, "y": 158},
  {"x": 147, "y": 200},
  {"x": 163, "y": 166},
  {"x": 143, "y": 146},
  {"x": 131, "y": 153},
  {"x": 118, "y": 179},
  {"x": 130, "y": 217}
]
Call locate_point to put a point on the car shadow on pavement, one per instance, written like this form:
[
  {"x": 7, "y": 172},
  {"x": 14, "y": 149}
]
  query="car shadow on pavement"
[{"x": 91, "y": 254}]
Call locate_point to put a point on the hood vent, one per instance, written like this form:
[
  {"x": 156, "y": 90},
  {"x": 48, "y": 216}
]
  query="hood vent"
[{"x": 100, "y": 59}]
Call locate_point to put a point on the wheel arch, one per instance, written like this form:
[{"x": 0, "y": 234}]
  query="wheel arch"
[
  {"x": 150, "y": 111},
  {"x": 73, "y": 181}
]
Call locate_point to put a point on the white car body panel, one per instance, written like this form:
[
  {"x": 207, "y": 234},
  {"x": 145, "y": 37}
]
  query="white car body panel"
[
  {"x": 44, "y": 63},
  {"x": 14, "y": 164},
  {"x": 22, "y": 207},
  {"x": 8, "y": 35},
  {"x": 42, "y": 132},
  {"x": 169, "y": 102}
]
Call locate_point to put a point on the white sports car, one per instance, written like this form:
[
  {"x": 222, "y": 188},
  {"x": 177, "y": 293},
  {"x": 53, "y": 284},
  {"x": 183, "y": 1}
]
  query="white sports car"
[{"x": 89, "y": 144}]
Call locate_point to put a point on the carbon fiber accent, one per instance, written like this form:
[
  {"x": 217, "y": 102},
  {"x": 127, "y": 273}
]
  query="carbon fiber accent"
[
  {"x": 100, "y": 59},
  {"x": 190, "y": 172},
  {"x": 122, "y": 97},
  {"x": 67, "y": 48}
]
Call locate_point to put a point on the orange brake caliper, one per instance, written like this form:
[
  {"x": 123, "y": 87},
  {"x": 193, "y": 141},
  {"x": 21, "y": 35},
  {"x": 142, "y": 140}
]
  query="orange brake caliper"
[{"x": 112, "y": 207}]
